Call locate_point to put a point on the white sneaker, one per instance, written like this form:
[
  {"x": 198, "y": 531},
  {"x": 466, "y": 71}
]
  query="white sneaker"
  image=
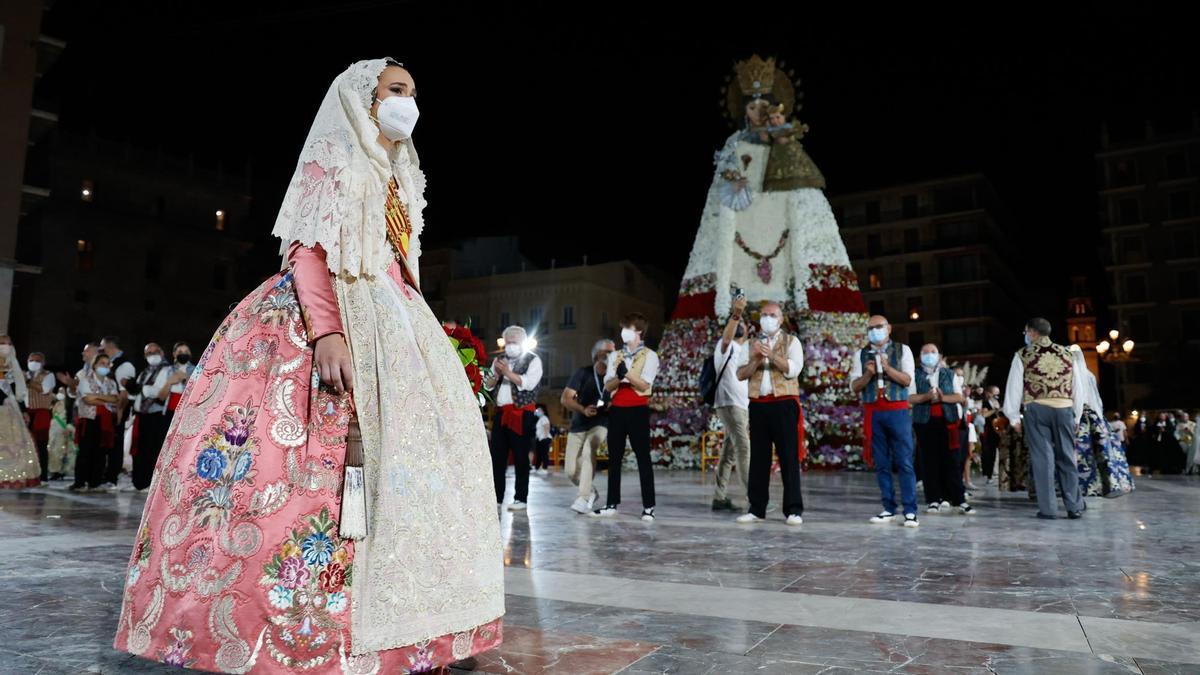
[
  {"x": 910, "y": 520},
  {"x": 581, "y": 505},
  {"x": 648, "y": 514},
  {"x": 606, "y": 512},
  {"x": 966, "y": 510},
  {"x": 945, "y": 506},
  {"x": 795, "y": 519},
  {"x": 543, "y": 472},
  {"x": 748, "y": 519},
  {"x": 517, "y": 506},
  {"x": 933, "y": 508},
  {"x": 109, "y": 487},
  {"x": 592, "y": 500},
  {"x": 991, "y": 481},
  {"x": 883, "y": 517}
]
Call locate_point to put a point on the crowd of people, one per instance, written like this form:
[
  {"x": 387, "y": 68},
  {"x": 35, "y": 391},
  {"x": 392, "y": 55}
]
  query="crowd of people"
[{"x": 107, "y": 419}]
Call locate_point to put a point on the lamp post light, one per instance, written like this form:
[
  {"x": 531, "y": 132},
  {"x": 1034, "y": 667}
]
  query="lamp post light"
[{"x": 1116, "y": 351}]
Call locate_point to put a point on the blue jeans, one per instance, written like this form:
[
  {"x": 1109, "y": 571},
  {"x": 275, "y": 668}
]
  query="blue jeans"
[{"x": 892, "y": 447}]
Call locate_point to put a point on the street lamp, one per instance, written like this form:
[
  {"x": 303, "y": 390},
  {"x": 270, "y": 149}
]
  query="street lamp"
[{"x": 1116, "y": 352}]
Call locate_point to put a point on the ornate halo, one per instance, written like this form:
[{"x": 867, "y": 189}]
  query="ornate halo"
[{"x": 759, "y": 77}]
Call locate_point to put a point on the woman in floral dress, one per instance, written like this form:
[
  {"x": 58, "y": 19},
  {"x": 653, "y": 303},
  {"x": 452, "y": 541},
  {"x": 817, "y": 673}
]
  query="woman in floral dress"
[{"x": 249, "y": 559}]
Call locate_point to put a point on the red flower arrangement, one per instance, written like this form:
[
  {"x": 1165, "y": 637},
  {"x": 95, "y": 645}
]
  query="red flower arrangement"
[{"x": 470, "y": 349}]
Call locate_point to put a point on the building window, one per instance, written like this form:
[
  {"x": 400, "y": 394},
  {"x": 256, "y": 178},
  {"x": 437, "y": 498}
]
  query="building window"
[
  {"x": 1186, "y": 285},
  {"x": 949, "y": 200},
  {"x": 877, "y": 308},
  {"x": 874, "y": 245},
  {"x": 958, "y": 268},
  {"x": 220, "y": 222},
  {"x": 963, "y": 339},
  {"x": 1135, "y": 288},
  {"x": 1124, "y": 172},
  {"x": 1131, "y": 248},
  {"x": 875, "y": 278},
  {"x": 505, "y": 320},
  {"x": 872, "y": 212},
  {"x": 535, "y": 318},
  {"x": 914, "y": 308},
  {"x": 908, "y": 206},
  {"x": 1179, "y": 205},
  {"x": 1183, "y": 243},
  {"x": 1137, "y": 326},
  {"x": 912, "y": 239},
  {"x": 1129, "y": 211},
  {"x": 1176, "y": 165},
  {"x": 568, "y": 320},
  {"x": 912, "y": 274},
  {"x": 957, "y": 232},
  {"x": 87, "y": 191},
  {"x": 85, "y": 260}
]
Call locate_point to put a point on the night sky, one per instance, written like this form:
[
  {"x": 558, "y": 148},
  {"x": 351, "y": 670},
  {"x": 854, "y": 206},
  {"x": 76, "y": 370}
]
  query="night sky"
[{"x": 593, "y": 133}]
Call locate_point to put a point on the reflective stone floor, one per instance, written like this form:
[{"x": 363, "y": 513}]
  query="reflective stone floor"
[{"x": 999, "y": 592}]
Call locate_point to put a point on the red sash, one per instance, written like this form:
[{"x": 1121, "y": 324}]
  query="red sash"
[
  {"x": 802, "y": 448},
  {"x": 513, "y": 418},
  {"x": 869, "y": 409},
  {"x": 39, "y": 424},
  {"x": 173, "y": 401},
  {"x": 133, "y": 443}
]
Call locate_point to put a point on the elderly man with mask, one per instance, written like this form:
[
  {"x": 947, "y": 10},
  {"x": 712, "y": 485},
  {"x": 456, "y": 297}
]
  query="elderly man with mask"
[
  {"x": 151, "y": 389},
  {"x": 882, "y": 372},
  {"x": 514, "y": 383},
  {"x": 772, "y": 364},
  {"x": 1041, "y": 379}
]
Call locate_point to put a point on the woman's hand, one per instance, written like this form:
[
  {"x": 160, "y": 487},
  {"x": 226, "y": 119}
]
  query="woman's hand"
[{"x": 333, "y": 363}]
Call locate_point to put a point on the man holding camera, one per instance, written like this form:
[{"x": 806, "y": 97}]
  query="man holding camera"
[
  {"x": 585, "y": 397},
  {"x": 881, "y": 373},
  {"x": 732, "y": 405}
]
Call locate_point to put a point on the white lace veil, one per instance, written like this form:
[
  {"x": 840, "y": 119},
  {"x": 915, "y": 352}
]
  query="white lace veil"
[
  {"x": 1086, "y": 391},
  {"x": 336, "y": 196}
]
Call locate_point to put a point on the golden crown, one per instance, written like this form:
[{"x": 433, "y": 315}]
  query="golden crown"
[{"x": 756, "y": 77}]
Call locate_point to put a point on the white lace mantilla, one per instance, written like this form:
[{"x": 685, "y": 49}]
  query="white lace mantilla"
[{"x": 337, "y": 194}]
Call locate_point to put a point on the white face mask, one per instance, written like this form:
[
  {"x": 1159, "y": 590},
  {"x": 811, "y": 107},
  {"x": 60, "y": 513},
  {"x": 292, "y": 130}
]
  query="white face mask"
[
  {"x": 154, "y": 360},
  {"x": 397, "y": 116},
  {"x": 512, "y": 351},
  {"x": 628, "y": 335},
  {"x": 769, "y": 324},
  {"x": 61, "y": 396},
  {"x": 34, "y": 366}
]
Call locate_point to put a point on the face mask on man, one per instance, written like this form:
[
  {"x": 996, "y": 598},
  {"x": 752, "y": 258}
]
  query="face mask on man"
[
  {"x": 34, "y": 366},
  {"x": 769, "y": 323},
  {"x": 628, "y": 335},
  {"x": 877, "y": 336},
  {"x": 155, "y": 360},
  {"x": 512, "y": 351}
]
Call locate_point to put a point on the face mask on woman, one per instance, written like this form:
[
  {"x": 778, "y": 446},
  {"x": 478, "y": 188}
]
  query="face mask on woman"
[
  {"x": 103, "y": 371},
  {"x": 930, "y": 359},
  {"x": 397, "y": 117}
]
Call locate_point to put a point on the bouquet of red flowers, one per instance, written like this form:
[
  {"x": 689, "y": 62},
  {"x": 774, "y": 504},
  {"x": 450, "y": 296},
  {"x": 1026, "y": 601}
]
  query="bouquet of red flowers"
[{"x": 470, "y": 349}]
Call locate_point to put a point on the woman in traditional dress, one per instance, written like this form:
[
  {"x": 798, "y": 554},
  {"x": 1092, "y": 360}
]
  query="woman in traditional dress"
[
  {"x": 252, "y": 557},
  {"x": 1103, "y": 470},
  {"x": 19, "y": 466}
]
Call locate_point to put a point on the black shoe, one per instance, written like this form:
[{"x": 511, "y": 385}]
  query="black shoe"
[
  {"x": 1074, "y": 515},
  {"x": 722, "y": 505},
  {"x": 1045, "y": 517},
  {"x": 76, "y": 487}
]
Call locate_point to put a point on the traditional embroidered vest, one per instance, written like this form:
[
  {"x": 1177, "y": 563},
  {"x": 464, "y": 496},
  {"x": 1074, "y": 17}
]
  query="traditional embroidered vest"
[
  {"x": 38, "y": 400},
  {"x": 1047, "y": 370},
  {"x": 780, "y": 385},
  {"x": 145, "y": 404},
  {"x": 520, "y": 398},
  {"x": 921, "y": 411},
  {"x": 893, "y": 391},
  {"x": 636, "y": 365}
]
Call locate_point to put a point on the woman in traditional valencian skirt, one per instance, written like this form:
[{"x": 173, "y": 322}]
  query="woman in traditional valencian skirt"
[
  {"x": 1103, "y": 471},
  {"x": 323, "y": 502},
  {"x": 19, "y": 465}
]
